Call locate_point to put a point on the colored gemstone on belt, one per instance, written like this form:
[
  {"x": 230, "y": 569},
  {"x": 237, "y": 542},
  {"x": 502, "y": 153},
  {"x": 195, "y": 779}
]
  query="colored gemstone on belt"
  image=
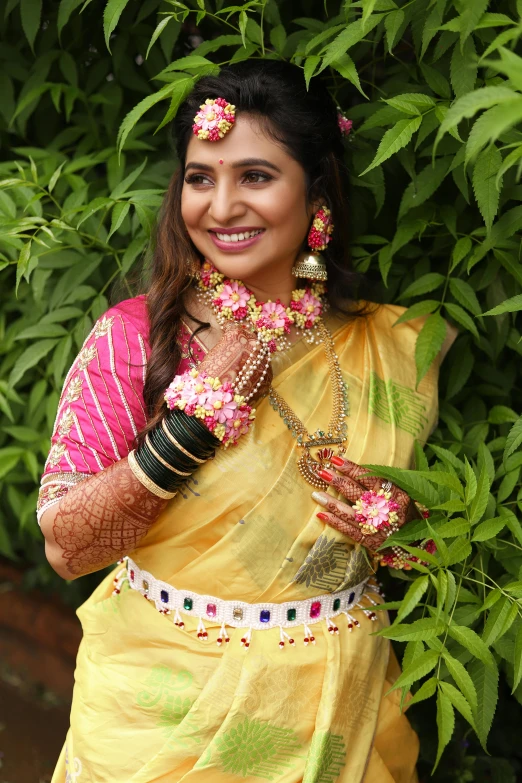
[
  {"x": 187, "y": 604},
  {"x": 336, "y": 604},
  {"x": 211, "y": 610},
  {"x": 315, "y": 609},
  {"x": 264, "y": 616},
  {"x": 164, "y": 596},
  {"x": 351, "y": 598},
  {"x": 145, "y": 585},
  {"x": 291, "y": 615},
  {"x": 132, "y": 575},
  {"x": 237, "y": 614}
]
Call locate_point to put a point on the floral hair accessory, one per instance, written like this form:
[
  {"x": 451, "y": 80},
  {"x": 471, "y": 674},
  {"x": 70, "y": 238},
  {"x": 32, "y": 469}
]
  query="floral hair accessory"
[
  {"x": 215, "y": 118},
  {"x": 375, "y": 510},
  {"x": 224, "y": 413},
  {"x": 345, "y": 125},
  {"x": 322, "y": 229}
]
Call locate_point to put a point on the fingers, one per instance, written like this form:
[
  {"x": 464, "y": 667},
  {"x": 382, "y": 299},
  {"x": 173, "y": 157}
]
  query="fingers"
[
  {"x": 342, "y": 524},
  {"x": 346, "y": 486},
  {"x": 333, "y": 505},
  {"x": 355, "y": 472}
]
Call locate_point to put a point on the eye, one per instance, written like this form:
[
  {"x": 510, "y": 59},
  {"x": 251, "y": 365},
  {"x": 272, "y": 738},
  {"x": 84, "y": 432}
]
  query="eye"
[
  {"x": 256, "y": 177},
  {"x": 197, "y": 179}
]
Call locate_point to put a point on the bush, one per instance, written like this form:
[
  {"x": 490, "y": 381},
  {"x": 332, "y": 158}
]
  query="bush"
[{"x": 434, "y": 90}]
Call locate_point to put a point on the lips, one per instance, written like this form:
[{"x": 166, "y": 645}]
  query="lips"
[{"x": 235, "y": 239}]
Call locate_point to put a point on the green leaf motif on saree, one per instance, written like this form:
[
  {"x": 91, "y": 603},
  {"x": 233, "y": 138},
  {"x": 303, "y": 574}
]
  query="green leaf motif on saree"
[
  {"x": 161, "y": 683},
  {"x": 332, "y": 565},
  {"x": 326, "y": 758},
  {"x": 257, "y": 748},
  {"x": 393, "y": 403}
]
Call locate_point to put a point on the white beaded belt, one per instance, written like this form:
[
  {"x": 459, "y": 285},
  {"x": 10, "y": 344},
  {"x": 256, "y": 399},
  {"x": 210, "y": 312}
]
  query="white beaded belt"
[{"x": 239, "y": 614}]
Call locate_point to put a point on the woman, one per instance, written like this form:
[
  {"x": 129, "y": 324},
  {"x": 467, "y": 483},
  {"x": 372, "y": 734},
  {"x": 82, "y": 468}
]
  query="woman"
[{"x": 241, "y": 663}]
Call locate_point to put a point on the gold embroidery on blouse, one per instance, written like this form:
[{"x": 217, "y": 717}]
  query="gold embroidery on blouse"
[
  {"x": 66, "y": 423},
  {"x": 56, "y": 453},
  {"x": 75, "y": 389},
  {"x": 86, "y": 356},
  {"x": 102, "y": 326}
]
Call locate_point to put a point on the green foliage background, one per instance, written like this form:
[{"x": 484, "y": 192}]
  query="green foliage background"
[{"x": 434, "y": 89}]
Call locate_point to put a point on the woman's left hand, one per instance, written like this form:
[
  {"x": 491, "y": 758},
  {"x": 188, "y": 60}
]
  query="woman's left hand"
[{"x": 377, "y": 512}]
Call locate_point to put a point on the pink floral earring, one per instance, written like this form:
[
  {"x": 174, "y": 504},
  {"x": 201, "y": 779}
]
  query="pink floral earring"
[{"x": 312, "y": 265}]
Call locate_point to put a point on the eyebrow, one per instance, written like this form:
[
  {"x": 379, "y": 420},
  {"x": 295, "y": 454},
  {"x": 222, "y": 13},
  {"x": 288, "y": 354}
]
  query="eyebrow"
[{"x": 237, "y": 165}]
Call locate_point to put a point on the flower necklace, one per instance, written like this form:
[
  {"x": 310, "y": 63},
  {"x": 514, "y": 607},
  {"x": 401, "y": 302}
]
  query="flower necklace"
[{"x": 231, "y": 300}]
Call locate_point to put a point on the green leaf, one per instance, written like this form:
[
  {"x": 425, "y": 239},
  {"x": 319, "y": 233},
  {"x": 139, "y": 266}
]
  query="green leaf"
[
  {"x": 426, "y": 691},
  {"x": 458, "y": 551},
  {"x": 351, "y": 35},
  {"x": 157, "y": 32},
  {"x": 393, "y": 140},
  {"x": 485, "y": 679},
  {"x": 119, "y": 213},
  {"x": 429, "y": 342},
  {"x": 462, "y": 317},
  {"x": 64, "y": 12},
  {"x": 417, "y": 310},
  {"x": 484, "y": 183},
  {"x": 420, "y": 630},
  {"x": 468, "y": 105},
  {"x": 514, "y": 439},
  {"x": 428, "y": 282},
  {"x": 463, "y": 69},
  {"x": 111, "y": 16},
  {"x": 517, "y": 658},
  {"x": 29, "y": 358},
  {"x": 457, "y": 526},
  {"x": 469, "y": 18},
  {"x": 499, "y": 621},
  {"x": 413, "y": 596},
  {"x": 472, "y": 642},
  {"x": 445, "y": 723},
  {"x": 462, "y": 291},
  {"x": 480, "y": 501},
  {"x": 310, "y": 65},
  {"x": 462, "y": 678},
  {"x": 460, "y": 251},
  {"x": 125, "y": 184},
  {"x": 31, "y": 13},
  {"x": 512, "y": 305},
  {"x": 471, "y": 481},
  {"x": 346, "y": 67},
  {"x": 424, "y": 186},
  {"x": 491, "y": 125},
  {"x": 443, "y": 479},
  {"x": 458, "y": 700},
  {"x": 419, "y": 668},
  {"x": 410, "y": 481},
  {"x": 393, "y": 23},
  {"x": 139, "y": 110}
]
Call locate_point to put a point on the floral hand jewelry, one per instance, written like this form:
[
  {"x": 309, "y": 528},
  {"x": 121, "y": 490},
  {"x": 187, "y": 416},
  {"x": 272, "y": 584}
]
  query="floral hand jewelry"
[
  {"x": 225, "y": 414},
  {"x": 377, "y": 510},
  {"x": 231, "y": 300},
  {"x": 215, "y": 118}
]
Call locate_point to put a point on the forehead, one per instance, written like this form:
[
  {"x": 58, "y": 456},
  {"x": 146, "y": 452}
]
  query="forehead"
[{"x": 246, "y": 139}]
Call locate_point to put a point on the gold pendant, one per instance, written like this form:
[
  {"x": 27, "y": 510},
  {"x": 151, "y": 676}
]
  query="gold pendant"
[{"x": 309, "y": 465}]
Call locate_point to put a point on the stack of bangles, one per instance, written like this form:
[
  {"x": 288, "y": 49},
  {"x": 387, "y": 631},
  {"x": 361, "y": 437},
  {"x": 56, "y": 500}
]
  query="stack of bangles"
[{"x": 204, "y": 413}]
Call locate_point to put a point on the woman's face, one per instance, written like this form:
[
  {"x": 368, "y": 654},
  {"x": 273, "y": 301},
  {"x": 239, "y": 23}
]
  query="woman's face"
[{"x": 244, "y": 204}]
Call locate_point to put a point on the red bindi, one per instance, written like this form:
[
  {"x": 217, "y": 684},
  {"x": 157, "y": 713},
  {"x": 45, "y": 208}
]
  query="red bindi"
[{"x": 221, "y": 160}]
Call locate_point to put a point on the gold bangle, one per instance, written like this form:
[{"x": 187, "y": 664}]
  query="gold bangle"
[
  {"x": 160, "y": 458},
  {"x": 178, "y": 445},
  {"x": 142, "y": 477}
]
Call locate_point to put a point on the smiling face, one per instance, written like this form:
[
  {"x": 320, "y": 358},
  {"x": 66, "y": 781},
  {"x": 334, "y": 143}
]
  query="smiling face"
[{"x": 244, "y": 205}]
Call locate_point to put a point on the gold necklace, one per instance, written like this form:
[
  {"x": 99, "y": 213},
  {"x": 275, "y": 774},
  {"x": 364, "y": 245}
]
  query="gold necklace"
[{"x": 337, "y": 430}]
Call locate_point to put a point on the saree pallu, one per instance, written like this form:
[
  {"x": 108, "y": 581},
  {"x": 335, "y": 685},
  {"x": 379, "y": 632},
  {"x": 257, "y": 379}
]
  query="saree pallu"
[{"x": 153, "y": 704}]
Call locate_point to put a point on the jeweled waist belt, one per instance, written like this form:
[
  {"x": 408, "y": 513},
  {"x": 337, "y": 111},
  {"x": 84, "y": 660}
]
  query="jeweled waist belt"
[{"x": 250, "y": 617}]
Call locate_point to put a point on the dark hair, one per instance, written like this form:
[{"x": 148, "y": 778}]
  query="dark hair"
[{"x": 304, "y": 122}]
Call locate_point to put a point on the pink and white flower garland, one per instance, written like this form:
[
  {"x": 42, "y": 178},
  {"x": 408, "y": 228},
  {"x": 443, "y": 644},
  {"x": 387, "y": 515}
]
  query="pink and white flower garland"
[
  {"x": 232, "y": 300},
  {"x": 224, "y": 413}
]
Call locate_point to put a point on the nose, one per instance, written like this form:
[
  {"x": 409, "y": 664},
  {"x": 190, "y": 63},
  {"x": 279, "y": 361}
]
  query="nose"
[{"x": 226, "y": 204}]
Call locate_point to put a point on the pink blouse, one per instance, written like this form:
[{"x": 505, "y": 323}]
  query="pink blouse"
[{"x": 101, "y": 408}]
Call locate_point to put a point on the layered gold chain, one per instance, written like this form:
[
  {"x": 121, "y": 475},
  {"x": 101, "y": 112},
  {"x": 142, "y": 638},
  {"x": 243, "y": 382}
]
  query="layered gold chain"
[{"x": 336, "y": 433}]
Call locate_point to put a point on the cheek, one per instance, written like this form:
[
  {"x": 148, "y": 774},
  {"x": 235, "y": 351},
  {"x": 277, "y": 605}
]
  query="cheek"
[{"x": 191, "y": 209}]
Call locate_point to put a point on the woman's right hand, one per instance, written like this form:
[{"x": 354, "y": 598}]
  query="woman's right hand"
[{"x": 230, "y": 355}]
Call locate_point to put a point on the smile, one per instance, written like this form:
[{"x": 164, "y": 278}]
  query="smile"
[{"x": 237, "y": 237}]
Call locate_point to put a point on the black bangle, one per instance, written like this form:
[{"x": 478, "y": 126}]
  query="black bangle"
[
  {"x": 169, "y": 452},
  {"x": 182, "y": 425},
  {"x": 155, "y": 470}
]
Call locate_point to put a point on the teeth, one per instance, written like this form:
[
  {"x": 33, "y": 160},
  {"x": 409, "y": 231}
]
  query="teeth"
[{"x": 238, "y": 237}]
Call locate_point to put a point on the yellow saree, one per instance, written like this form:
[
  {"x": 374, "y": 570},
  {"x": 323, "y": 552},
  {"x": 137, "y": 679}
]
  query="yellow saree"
[{"x": 154, "y": 704}]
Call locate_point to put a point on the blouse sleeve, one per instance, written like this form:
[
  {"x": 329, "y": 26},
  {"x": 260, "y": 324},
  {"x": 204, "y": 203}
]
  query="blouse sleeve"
[{"x": 101, "y": 408}]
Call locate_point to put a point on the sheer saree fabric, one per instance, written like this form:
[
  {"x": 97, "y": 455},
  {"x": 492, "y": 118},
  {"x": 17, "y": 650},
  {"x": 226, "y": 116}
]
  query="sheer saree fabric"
[{"x": 153, "y": 704}]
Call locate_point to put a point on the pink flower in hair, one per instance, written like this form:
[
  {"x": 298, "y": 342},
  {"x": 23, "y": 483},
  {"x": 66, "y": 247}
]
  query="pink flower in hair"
[
  {"x": 345, "y": 125},
  {"x": 215, "y": 118}
]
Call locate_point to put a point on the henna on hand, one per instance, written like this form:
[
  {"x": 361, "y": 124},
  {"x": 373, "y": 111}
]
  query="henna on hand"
[
  {"x": 101, "y": 519},
  {"x": 229, "y": 356}
]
